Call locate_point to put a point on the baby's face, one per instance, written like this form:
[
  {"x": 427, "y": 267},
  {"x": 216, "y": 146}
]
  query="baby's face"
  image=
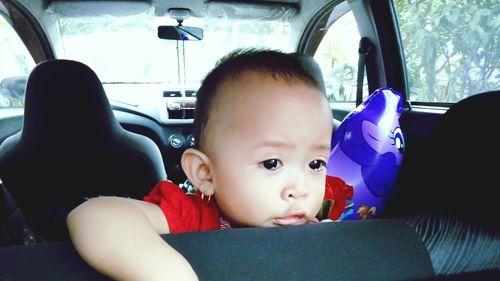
[{"x": 268, "y": 142}]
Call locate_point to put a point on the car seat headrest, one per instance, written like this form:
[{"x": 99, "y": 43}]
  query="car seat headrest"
[{"x": 61, "y": 90}]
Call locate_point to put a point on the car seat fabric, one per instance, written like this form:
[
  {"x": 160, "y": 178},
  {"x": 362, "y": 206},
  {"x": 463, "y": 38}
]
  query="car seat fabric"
[
  {"x": 357, "y": 250},
  {"x": 456, "y": 246},
  {"x": 71, "y": 148},
  {"x": 14, "y": 230},
  {"x": 448, "y": 193},
  {"x": 457, "y": 171}
]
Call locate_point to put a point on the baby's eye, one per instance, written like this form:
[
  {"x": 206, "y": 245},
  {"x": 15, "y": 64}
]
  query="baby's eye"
[
  {"x": 317, "y": 165},
  {"x": 271, "y": 164}
]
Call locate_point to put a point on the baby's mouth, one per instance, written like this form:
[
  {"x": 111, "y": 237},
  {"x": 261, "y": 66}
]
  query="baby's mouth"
[{"x": 294, "y": 219}]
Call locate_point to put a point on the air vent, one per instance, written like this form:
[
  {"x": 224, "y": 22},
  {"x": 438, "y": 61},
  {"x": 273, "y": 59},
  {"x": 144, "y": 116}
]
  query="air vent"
[
  {"x": 190, "y": 94},
  {"x": 172, "y": 94},
  {"x": 181, "y": 114}
]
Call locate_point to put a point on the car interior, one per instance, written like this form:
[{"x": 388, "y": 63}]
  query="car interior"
[
  {"x": 109, "y": 160},
  {"x": 102, "y": 102}
]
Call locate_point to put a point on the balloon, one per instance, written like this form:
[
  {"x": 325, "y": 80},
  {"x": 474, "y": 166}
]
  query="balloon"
[{"x": 367, "y": 151}]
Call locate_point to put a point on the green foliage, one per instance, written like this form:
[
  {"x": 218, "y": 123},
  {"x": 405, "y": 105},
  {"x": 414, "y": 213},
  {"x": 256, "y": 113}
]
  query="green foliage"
[{"x": 451, "y": 47}]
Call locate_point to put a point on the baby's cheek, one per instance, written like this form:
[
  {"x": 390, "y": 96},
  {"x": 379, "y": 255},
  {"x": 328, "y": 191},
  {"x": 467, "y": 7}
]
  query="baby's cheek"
[{"x": 318, "y": 195}]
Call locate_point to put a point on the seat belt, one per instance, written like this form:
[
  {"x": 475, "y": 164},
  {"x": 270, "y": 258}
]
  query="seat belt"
[{"x": 365, "y": 47}]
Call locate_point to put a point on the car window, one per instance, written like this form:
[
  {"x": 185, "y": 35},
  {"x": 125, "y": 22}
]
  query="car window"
[
  {"x": 334, "y": 43},
  {"x": 337, "y": 55},
  {"x": 15, "y": 66},
  {"x": 451, "y": 48}
]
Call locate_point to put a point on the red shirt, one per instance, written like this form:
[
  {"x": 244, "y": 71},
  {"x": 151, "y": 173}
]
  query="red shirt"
[{"x": 187, "y": 213}]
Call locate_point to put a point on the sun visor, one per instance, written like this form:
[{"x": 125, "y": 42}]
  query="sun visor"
[
  {"x": 96, "y": 8},
  {"x": 252, "y": 10}
]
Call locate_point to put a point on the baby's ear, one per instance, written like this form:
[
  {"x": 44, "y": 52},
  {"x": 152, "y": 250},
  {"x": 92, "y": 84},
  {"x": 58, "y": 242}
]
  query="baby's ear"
[{"x": 198, "y": 170}]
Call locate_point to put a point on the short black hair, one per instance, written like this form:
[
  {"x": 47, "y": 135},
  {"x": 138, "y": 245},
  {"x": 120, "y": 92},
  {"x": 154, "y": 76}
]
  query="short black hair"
[{"x": 277, "y": 64}]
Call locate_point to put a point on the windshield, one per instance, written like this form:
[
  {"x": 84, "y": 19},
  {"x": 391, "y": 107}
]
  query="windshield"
[{"x": 126, "y": 49}]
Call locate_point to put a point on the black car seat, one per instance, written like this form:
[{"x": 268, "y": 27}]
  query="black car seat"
[
  {"x": 457, "y": 172},
  {"x": 449, "y": 194},
  {"x": 71, "y": 148},
  {"x": 14, "y": 230}
]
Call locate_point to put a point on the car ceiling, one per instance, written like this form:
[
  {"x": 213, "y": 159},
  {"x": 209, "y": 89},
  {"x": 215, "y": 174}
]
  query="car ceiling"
[
  {"x": 301, "y": 11},
  {"x": 197, "y": 7}
]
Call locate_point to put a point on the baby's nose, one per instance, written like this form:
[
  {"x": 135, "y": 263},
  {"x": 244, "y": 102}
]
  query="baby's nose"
[{"x": 295, "y": 190}]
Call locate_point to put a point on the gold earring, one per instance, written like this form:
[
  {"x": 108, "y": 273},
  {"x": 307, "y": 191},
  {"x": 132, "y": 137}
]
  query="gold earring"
[{"x": 203, "y": 195}]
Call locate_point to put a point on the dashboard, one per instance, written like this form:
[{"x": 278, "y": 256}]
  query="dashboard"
[{"x": 165, "y": 116}]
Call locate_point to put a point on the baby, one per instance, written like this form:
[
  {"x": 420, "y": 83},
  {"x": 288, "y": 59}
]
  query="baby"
[{"x": 262, "y": 128}]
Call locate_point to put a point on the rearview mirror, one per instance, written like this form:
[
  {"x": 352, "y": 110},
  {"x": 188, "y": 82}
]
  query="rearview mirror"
[{"x": 180, "y": 32}]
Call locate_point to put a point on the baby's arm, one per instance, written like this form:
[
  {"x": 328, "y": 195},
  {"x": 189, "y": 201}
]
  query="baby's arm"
[{"x": 120, "y": 238}]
